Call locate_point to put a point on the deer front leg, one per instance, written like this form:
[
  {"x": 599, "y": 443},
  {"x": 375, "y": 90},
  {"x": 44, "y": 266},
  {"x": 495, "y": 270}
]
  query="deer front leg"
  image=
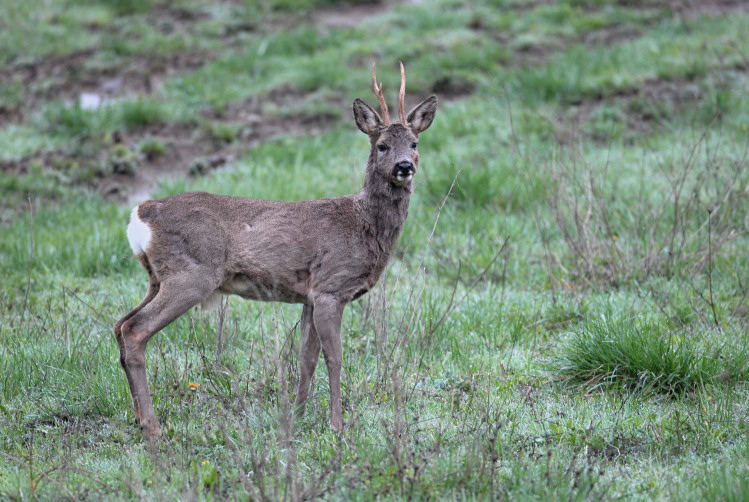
[
  {"x": 327, "y": 315},
  {"x": 309, "y": 355}
]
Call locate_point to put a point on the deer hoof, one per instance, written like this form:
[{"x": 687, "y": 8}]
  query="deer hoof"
[
  {"x": 150, "y": 430},
  {"x": 336, "y": 424}
]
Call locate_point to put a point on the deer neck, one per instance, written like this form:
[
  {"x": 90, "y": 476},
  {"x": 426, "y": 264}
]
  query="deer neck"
[{"x": 383, "y": 208}]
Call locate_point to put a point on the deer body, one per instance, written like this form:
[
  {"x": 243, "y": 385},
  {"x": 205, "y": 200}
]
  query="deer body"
[
  {"x": 269, "y": 250},
  {"x": 320, "y": 253}
]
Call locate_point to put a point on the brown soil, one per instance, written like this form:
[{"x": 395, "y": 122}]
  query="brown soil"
[
  {"x": 67, "y": 77},
  {"x": 672, "y": 95},
  {"x": 190, "y": 151},
  {"x": 642, "y": 106},
  {"x": 349, "y": 16},
  {"x": 690, "y": 10}
]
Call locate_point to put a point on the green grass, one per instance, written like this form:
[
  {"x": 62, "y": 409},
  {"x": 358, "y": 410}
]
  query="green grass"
[
  {"x": 650, "y": 358},
  {"x": 602, "y": 356}
]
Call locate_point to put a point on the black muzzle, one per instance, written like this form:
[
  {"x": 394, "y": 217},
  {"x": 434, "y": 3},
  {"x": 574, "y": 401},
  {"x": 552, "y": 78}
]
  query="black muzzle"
[{"x": 403, "y": 171}]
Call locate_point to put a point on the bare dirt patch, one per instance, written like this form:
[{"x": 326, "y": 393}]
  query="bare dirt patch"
[
  {"x": 191, "y": 150},
  {"x": 126, "y": 171},
  {"x": 90, "y": 71},
  {"x": 537, "y": 54},
  {"x": 349, "y": 16},
  {"x": 638, "y": 110},
  {"x": 182, "y": 145},
  {"x": 610, "y": 35},
  {"x": 692, "y": 9},
  {"x": 194, "y": 154},
  {"x": 68, "y": 77}
]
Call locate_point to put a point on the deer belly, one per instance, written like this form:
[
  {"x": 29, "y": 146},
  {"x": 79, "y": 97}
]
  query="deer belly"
[{"x": 265, "y": 288}]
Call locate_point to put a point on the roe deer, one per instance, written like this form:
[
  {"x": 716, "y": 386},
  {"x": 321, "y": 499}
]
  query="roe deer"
[{"x": 320, "y": 253}]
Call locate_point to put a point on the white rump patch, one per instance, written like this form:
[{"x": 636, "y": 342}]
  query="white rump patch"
[{"x": 138, "y": 233}]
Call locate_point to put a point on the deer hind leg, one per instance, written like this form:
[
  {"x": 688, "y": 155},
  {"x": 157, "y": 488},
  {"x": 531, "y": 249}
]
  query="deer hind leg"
[
  {"x": 327, "y": 315},
  {"x": 153, "y": 288},
  {"x": 175, "y": 296},
  {"x": 309, "y": 355}
]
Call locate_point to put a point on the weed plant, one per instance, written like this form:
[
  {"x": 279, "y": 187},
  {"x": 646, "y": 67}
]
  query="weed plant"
[{"x": 684, "y": 212}]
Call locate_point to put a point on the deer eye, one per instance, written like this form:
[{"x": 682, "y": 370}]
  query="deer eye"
[
  {"x": 382, "y": 147},
  {"x": 414, "y": 145}
]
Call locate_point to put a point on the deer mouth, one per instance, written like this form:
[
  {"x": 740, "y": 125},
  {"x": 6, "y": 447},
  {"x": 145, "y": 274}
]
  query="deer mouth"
[{"x": 403, "y": 173}]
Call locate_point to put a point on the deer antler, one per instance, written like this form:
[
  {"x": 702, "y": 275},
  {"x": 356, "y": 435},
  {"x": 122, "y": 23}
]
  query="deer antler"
[
  {"x": 402, "y": 98},
  {"x": 380, "y": 98}
]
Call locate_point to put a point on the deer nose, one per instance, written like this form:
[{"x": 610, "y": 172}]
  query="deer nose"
[
  {"x": 403, "y": 172},
  {"x": 404, "y": 168}
]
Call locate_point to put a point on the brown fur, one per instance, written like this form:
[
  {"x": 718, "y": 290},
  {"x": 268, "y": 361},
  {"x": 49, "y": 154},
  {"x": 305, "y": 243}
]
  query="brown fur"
[{"x": 320, "y": 253}]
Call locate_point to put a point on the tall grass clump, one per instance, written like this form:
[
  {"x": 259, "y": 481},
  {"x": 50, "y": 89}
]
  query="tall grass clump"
[
  {"x": 647, "y": 357},
  {"x": 72, "y": 120},
  {"x": 141, "y": 112}
]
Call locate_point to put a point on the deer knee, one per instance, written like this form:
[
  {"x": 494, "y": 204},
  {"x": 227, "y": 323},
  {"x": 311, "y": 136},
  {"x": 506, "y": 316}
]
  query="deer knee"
[
  {"x": 132, "y": 345},
  {"x": 333, "y": 362},
  {"x": 133, "y": 359}
]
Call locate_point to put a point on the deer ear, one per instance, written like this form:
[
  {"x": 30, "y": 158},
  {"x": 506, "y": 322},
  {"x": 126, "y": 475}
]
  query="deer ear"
[
  {"x": 422, "y": 115},
  {"x": 366, "y": 118}
]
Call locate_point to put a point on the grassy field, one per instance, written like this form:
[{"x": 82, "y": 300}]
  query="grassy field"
[{"x": 567, "y": 313}]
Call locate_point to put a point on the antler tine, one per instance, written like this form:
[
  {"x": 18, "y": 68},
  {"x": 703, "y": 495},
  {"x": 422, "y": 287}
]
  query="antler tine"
[
  {"x": 402, "y": 98},
  {"x": 380, "y": 98}
]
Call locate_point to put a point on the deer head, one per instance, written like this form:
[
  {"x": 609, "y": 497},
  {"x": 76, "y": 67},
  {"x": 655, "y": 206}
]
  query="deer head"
[{"x": 394, "y": 157}]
